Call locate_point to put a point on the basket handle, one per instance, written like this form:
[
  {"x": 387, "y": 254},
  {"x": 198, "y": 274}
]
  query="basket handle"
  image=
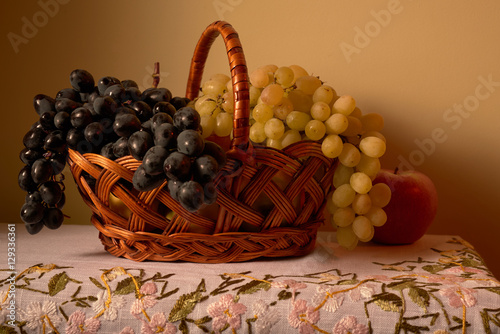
[{"x": 240, "y": 144}]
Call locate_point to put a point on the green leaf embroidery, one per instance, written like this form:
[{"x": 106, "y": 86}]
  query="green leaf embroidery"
[
  {"x": 186, "y": 303},
  {"x": 388, "y": 301},
  {"x": 97, "y": 283},
  {"x": 401, "y": 285},
  {"x": 419, "y": 297},
  {"x": 434, "y": 269},
  {"x": 58, "y": 283},
  {"x": 7, "y": 330},
  {"x": 253, "y": 286},
  {"x": 284, "y": 295},
  {"x": 125, "y": 287}
]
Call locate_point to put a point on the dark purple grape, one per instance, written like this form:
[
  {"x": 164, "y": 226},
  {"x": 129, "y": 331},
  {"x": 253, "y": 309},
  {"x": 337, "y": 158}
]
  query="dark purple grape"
[
  {"x": 55, "y": 141},
  {"x": 139, "y": 143},
  {"x": 33, "y": 197},
  {"x": 161, "y": 118},
  {"x": 173, "y": 188},
  {"x": 125, "y": 110},
  {"x": 166, "y": 135},
  {"x": 154, "y": 95},
  {"x": 153, "y": 160},
  {"x": 81, "y": 117},
  {"x": 92, "y": 96},
  {"x": 129, "y": 83},
  {"x": 34, "y": 138},
  {"x": 66, "y": 104},
  {"x": 191, "y": 195},
  {"x": 177, "y": 166},
  {"x": 28, "y": 155},
  {"x": 210, "y": 192},
  {"x": 47, "y": 120},
  {"x": 74, "y": 137},
  {"x": 142, "y": 110},
  {"x": 179, "y": 102},
  {"x": 34, "y": 228},
  {"x": 190, "y": 142},
  {"x": 68, "y": 93},
  {"x": 53, "y": 218},
  {"x": 116, "y": 92},
  {"x": 120, "y": 147},
  {"x": 61, "y": 202},
  {"x": 143, "y": 181},
  {"x": 43, "y": 103},
  {"x": 106, "y": 82},
  {"x": 58, "y": 162},
  {"x": 62, "y": 121},
  {"x": 32, "y": 213},
  {"x": 82, "y": 81},
  {"x": 126, "y": 124},
  {"x": 187, "y": 118},
  {"x": 25, "y": 180},
  {"x": 105, "y": 106},
  {"x": 42, "y": 171},
  {"x": 94, "y": 133},
  {"x": 132, "y": 94},
  {"x": 165, "y": 107},
  {"x": 107, "y": 151},
  {"x": 205, "y": 168},
  {"x": 147, "y": 126},
  {"x": 215, "y": 151},
  {"x": 50, "y": 192}
]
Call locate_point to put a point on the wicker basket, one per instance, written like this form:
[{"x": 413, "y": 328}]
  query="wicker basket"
[{"x": 270, "y": 202}]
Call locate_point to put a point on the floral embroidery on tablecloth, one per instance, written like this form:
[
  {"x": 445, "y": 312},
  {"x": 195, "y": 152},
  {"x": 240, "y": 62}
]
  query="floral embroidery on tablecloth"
[{"x": 420, "y": 296}]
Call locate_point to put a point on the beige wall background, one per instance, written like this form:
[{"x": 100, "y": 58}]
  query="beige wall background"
[{"x": 427, "y": 66}]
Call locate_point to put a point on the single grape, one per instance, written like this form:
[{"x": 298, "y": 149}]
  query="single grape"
[
  {"x": 272, "y": 94},
  {"x": 297, "y": 120},
  {"x": 213, "y": 87},
  {"x": 160, "y": 118},
  {"x": 320, "y": 111},
  {"x": 107, "y": 151},
  {"x": 344, "y": 105},
  {"x": 143, "y": 181},
  {"x": 283, "y": 109},
  {"x": 177, "y": 166},
  {"x": 33, "y": 197},
  {"x": 205, "y": 169},
  {"x": 179, "y": 102},
  {"x": 207, "y": 124},
  {"x": 347, "y": 238},
  {"x": 94, "y": 133},
  {"x": 154, "y": 159},
  {"x": 298, "y": 71},
  {"x": 215, "y": 151},
  {"x": 274, "y": 128},
  {"x": 164, "y": 107},
  {"x": 139, "y": 143},
  {"x": 362, "y": 227},
  {"x": 259, "y": 78},
  {"x": 373, "y": 147},
  {"x": 377, "y": 216},
  {"x": 284, "y": 76},
  {"x": 210, "y": 193},
  {"x": 257, "y": 133},
  {"x": 191, "y": 195},
  {"x": 53, "y": 218},
  {"x": 361, "y": 204},
  {"x": 380, "y": 194},
  {"x": 360, "y": 182},
  {"x": 343, "y": 217},
  {"x": 372, "y": 122},
  {"x": 142, "y": 110},
  {"x": 290, "y": 137},
  {"x": 350, "y": 155},
  {"x": 262, "y": 113},
  {"x": 25, "y": 180},
  {"x": 34, "y": 228},
  {"x": 105, "y": 106},
  {"x": 106, "y": 82},
  {"x": 50, "y": 192},
  {"x": 55, "y": 141},
  {"x": 315, "y": 130},
  {"x": 58, "y": 162},
  {"x": 173, "y": 188},
  {"x": 308, "y": 84},
  {"x": 43, "y": 103},
  {"x": 342, "y": 175},
  {"x": 82, "y": 81},
  {"x": 223, "y": 124},
  {"x": 354, "y": 127},
  {"x": 336, "y": 124},
  {"x": 29, "y": 155},
  {"x": 190, "y": 142},
  {"x": 32, "y": 213},
  {"x": 117, "y": 93},
  {"x": 62, "y": 121},
  {"x": 42, "y": 171},
  {"x": 74, "y": 137},
  {"x": 166, "y": 135},
  {"x": 186, "y": 118},
  {"x": 126, "y": 124},
  {"x": 343, "y": 196},
  {"x": 368, "y": 165},
  {"x": 68, "y": 93},
  {"x": 47, "y": 120},
  {"x": 300, "y": 100},
  {"x": 66, "y": 104},
  {"x": 154, "y": 95},
  {"x": 324, "y": 93},
  {"x": 332, "y": 146},
  {"x": 120, "y": 147}
]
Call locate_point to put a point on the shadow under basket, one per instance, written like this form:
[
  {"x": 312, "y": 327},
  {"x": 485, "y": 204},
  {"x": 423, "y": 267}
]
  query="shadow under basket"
[{"x": 270, "y": 203}]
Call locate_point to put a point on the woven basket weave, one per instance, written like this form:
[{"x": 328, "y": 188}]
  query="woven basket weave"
[{"x": 270, "y": 202}]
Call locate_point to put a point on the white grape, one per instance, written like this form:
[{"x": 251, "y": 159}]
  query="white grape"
[
  {"x": 254, "y": 93},
  {"x": 308, "y": 84},
  {"x": 223, "y": 124},
  {"x": 324, "y": 93},
  {"x": 347, "y": 238},
  {"x": 344, "y": 105},
  {"x": 257, "y": 133},
  {"x": 350, "y": 155},
  {"x": 372, "y": 122},
  {"x": 300, "y": 100},
  {"x": 368, "y": 165},
  {"x": 342, "y": 175},
  {"x": 360, "y": 182},
  {"x": 332, "y": 146},
  {"x": 220, "y": 77},
  {"x": 343, "y": 216},
  {"x": 372, "y": 146},
  {"x": 290, "y": 137},
  {"x": 259, "y": 78},
  {"x": 272, "y": 94},
  {"x": 227, "y": 102},
  {"x": 362, "y": 227},
  {"x": 282, "y": 109},
  {"x": 354, "y": 127},
  {"x": 207, "y": 123},
  {"x": 361, "y": 204},
  {"x": 315, "y": 130},
  {"x": 297, "y": 120},
  {"x": 284, "y": 76},
  {"x": 343, "y": 195},
  {"x": 377, "y": 216},
  {"x": 274, "y": 143},
  {"x": 320, "y": 111},
  {"x": 336, "y": 124},
  {"x": 262, "y": 112},
  {"x": 274, "y": 128},
  {"x": 298, "y": 71},
  {"x": 380, "y": 194},
  {"x": 213, "y": 87}
]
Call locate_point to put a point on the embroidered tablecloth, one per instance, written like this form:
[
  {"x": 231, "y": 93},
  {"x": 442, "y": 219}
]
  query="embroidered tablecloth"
[{"x": 64, "y": 282}]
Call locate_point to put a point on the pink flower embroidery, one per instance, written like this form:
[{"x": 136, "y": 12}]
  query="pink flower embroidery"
[
  {"x": 365, "y": 291},
  {"x": 226, "y": 311},
  {"x": 127, "y": 330},
  {"x": 328, "y": 298},
  {"x": 444, "y": 279},
  {"x": 146, "y": 300},
  {"x": 459, "y": 296},
  {"x": 380, "y": 278},
  {"x": 303, "y": 317},
  {"x": 158, "y": 324},
  {"x": 78, "y": 323},
  {"x": 266, "y": 317},
  {"x": 349, "y": 324}
]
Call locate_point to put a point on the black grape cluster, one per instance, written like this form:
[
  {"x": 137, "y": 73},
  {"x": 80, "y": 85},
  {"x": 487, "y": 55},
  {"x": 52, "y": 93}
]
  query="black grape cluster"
[{"x": 115, "y": 119}]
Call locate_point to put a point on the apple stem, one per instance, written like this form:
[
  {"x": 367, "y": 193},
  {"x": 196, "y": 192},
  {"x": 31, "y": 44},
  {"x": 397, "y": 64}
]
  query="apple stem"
[{"x": 396, "y": 170}]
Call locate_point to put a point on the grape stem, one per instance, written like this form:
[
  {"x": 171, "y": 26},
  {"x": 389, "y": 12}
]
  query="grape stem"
[
  {"x": 396, "y": 170},
  {"x": 156, "y": 75}
]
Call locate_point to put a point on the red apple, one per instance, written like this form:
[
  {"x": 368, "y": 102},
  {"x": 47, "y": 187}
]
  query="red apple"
[{"x": 412, "y": 208}]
